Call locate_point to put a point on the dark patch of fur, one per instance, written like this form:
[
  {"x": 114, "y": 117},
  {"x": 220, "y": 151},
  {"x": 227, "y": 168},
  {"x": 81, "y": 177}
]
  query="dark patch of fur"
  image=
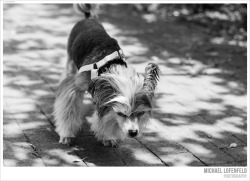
[
  {"x": 142, "y": 99},
  {"x": 107, "y": 66},
  {"x": 89, "y": 42},
  {"x": 102, "y": 91}
]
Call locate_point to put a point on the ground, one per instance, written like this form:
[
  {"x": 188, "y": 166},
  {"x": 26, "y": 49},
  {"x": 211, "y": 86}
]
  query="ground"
[{"x": 200, "y": 112}]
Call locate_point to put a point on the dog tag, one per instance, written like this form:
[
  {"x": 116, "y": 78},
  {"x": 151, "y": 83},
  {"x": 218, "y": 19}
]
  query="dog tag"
[{"x": 94, "y": 73}]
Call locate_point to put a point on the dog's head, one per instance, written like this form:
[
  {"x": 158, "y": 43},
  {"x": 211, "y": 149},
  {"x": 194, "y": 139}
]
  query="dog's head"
[{"x": 124, "y": 98}]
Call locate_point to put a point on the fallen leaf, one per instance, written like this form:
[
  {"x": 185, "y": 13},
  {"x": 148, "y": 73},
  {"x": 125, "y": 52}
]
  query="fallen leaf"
[
  {"x": 233, "y": 145},
  {"x": 34, "y": 153},
  {"x": 79, "y": 160},
  {"x": 32, "y": 146},
  {"x": 76, "y": 161}
]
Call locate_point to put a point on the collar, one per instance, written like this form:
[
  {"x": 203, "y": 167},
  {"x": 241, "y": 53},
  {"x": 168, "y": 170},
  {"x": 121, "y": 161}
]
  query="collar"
[{"x": 95, "y": 66}]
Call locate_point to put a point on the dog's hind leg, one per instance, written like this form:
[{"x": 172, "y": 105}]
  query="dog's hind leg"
[{"x": 67, "y": 110}]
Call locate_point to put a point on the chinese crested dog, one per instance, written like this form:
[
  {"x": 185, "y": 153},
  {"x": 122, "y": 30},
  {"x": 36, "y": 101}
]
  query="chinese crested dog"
[{"x": 122, "y": 97}]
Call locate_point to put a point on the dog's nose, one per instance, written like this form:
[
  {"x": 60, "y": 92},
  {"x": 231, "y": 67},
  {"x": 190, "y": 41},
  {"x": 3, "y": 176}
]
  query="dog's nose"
[{"x": 132, "y": 133}]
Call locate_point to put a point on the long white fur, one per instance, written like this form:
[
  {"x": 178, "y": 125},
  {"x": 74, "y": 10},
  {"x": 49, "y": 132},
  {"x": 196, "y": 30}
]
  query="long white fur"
[
  {"x": 106, "y": 128},
  {"x": 129, "y": 84},
  {"x": 68, "y": 106}
]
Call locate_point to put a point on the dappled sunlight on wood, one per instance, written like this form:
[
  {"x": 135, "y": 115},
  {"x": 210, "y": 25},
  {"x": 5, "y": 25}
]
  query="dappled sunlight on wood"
[
  {"x": 200, "y": 105},
  {"x": 145, "y": 157}
]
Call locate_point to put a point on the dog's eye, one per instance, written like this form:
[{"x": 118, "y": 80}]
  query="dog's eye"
[
  {"x": 121, "y": 114},
  {"x": 139, "y": 114}
]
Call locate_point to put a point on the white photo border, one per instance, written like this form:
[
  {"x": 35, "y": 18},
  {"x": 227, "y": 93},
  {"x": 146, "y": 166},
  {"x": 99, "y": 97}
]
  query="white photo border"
[{"x": 113, "y": 173}]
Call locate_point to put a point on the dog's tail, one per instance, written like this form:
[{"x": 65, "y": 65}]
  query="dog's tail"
[{"x": 89, "y": 10}]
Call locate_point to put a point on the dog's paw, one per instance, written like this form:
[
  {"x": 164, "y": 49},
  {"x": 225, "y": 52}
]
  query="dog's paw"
[
  {"x": 110, "y": 143},
  {"x": 65, "y": 140}
]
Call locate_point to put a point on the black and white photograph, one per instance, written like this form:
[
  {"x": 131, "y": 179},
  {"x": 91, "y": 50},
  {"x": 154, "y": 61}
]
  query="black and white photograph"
[{"x": 125, "y": 85}]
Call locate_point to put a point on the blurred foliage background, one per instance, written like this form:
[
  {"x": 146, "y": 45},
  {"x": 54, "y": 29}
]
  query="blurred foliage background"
[{"x": 227, "y": 20}]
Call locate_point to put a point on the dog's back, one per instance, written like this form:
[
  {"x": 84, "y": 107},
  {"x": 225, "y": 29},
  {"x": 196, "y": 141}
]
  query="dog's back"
[{"x": 88, "y": 42}]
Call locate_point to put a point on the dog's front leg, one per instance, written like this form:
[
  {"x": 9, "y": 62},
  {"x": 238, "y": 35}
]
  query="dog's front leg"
[
  {"x": 68, "y": 107},
  {"x": 110, "y": 143},
  {"x": 82, "y": 81}
]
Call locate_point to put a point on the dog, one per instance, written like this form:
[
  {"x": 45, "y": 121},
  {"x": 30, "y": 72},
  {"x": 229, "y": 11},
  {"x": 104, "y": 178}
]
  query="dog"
[{"x": 122, "y": 97}]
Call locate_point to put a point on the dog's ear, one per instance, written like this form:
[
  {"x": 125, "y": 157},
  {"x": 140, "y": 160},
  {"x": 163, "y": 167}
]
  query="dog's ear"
[
  {"x": 151, "y": 77},
  {"x": 101, "y": 89}
]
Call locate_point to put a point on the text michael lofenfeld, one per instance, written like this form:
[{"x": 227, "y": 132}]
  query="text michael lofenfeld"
[{"x": 225, "y": 170}]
